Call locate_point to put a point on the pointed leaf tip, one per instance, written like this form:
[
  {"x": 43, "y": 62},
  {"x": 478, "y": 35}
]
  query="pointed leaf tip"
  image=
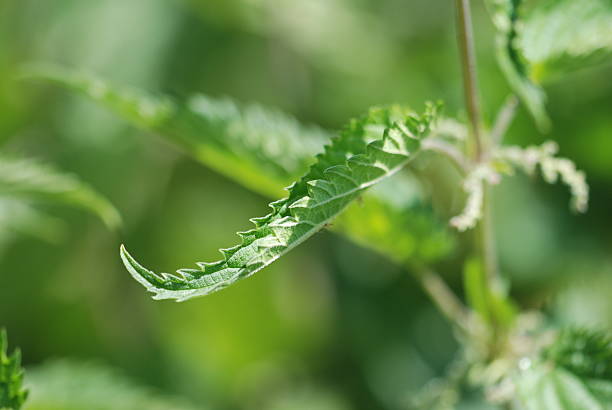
[{"x": 138, "y": 272}]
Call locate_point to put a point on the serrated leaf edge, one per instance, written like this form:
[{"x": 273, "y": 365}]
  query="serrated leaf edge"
[{"x": 286, "y": 214}]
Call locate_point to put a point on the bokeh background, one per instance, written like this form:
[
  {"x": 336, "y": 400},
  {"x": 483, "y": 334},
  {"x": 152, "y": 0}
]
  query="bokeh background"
[{"x": 331, "y": 326}]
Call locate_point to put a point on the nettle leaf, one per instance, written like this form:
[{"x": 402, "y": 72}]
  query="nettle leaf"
[
  {"x": 574, "y": 373},
  {"x": 557, "y": 36},
  {"x": 559, "y": 389},
  {"x": 261, "y": 148},
  {"x": 265, "y": 151},
  {"x": 505, "y": 15},
  {"x": 541, "y": 40},
  {"x": 586, "y": 353},
  {"x": 31, "y": 180},
  {"x": 12, "y": 393},
  {"x": 356, "y": 160}
]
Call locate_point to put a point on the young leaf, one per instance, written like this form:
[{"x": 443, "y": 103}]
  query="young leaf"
[
  {"x": 574, "y": 373},
  {"x": 265, "y": 151},
  {"x": 545, "y": 39},
  {"x": 29, "y": 179},
  {"x": 350, "y": 164},
  {"x": 12, "y": 393}
]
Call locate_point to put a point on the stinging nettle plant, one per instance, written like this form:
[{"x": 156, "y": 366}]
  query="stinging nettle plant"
[
  {"x": 12, "y": 393},
  {"x": 515, "y": 357}
]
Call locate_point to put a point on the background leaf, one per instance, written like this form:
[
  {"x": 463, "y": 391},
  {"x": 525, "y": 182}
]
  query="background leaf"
[
  {"x": 262, "y": 149},
  {"x": 542, "y": 40},
  {"x": 32, "y": 180},
  {"x": 558, "y": 36}
]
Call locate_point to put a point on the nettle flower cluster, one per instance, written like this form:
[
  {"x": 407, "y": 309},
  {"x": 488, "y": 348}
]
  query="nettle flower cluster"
[{"x": 506, "y": 160}]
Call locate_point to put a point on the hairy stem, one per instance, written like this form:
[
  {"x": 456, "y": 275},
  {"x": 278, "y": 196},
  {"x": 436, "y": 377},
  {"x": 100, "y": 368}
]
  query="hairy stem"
[
  {"x": 485, "y": 233},
  {"x": 486, "y": 239},
  {"x": 465, "y": 37}
]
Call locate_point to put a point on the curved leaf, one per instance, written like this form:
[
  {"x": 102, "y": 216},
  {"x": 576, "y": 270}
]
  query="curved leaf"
[
  {"x": 246, "y": 143},
  {"x": 350, "y": 164},
  {"x": 33, "y": 180}
]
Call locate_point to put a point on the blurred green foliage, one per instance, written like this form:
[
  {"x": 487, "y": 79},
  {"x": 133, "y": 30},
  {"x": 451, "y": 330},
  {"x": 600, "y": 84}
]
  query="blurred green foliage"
[{"x": 333, "y": 324}]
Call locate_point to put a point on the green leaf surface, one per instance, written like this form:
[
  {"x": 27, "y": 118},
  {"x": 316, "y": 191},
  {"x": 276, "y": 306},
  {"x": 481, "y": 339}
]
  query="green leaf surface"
[
  {"x": 586, "y": 353},
  {"x": 557, "y": 36},
  {"x": 12, "y": 393},
  {"x": 393, "y": 219},
  {"x": 558, "y": 389},
  {"x": 265, "y": 151},
  {"x": 356, "y": 160},
  {"x": 70, "y": 385},
  {"x": 574, "y": 373},
  {"x": 542, "y": 40},
  {"x": 31, "y": 180},
  {"x": 505, "y": 15},
  {"x": 261, "y": 148}
]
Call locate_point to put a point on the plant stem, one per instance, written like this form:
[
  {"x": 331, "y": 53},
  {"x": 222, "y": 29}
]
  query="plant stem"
[
  {"x": 486, "y": 238},
  {"x": 444, "y": 298},
  {"x": 485, "y": 233},
  {"x": 465, "y": 37}
]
